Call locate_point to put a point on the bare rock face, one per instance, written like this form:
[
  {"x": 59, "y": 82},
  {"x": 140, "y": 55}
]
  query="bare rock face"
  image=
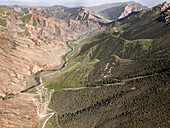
[
  {"x": 36, "y": 69},
  {"x": 164, "y": 11},
  {"x": 129, "y": 9},
  {"x": 86, "y": 14},
  {"x": 56, "y": 29},
  {"x": 164, "y": 6},
  {"x": 122, "y": 11}
]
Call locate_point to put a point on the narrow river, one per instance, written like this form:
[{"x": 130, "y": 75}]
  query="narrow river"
[
  {"x": 42, "y": 104},
  {"x": 37, "y": 74}
]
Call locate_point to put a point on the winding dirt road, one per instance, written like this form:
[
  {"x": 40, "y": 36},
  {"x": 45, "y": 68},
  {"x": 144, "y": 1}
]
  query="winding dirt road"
[{"x": 42, "y": 104}]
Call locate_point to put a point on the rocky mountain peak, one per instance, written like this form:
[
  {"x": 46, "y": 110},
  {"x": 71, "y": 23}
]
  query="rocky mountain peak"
[
  {"x": 121, "y": 11},
  {"x": 164, "y": 11},
  {"x": 84, "y": 9},
  {"x": 86, "y": 14},
  {"x": 129, "y": 8},
  {"x": 164, "y": 6}
]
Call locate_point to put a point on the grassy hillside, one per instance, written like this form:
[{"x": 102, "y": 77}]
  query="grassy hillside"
[
  {"x": 138, "y": 103},
  {"x": 115, "y": 78}
]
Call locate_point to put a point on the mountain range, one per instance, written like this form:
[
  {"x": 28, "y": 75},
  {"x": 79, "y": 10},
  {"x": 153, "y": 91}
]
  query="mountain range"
[
  {"x": 108, "y": 65},
  {"x": 114, "y": 11}
]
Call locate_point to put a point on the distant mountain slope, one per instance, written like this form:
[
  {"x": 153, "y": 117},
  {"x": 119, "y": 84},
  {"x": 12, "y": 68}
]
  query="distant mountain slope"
[
  {"x": 152, "y": 23},
  {"x": 111, "y": 5},
  {"x": 119, "y": 12},
  {"x": 79, "y": 13},
  {"x": 65, "y": 13},
  {"x": 116, "y": 11}
]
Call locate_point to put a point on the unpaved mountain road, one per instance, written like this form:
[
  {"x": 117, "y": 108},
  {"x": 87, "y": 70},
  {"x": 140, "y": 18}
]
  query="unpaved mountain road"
[{"x": 42, "y": 104}]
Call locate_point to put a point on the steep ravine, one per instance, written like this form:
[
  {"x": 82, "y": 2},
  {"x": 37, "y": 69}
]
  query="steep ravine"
[
  {"x": 37, "y": 79},
  {"x": 42, "y": 104},
  {"x": 44, "y": 96}
]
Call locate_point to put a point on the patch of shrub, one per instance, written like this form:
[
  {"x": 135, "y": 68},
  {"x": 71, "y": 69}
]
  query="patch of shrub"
[
  {"x": 26, "y": 18},
  {"x": 3, "y": 22}
]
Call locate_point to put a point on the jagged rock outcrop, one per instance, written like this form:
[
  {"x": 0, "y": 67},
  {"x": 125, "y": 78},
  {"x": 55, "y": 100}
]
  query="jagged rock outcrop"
[
  {"x": 99, "y": 8},
  {"x": 161, "y": 13},
  {"x": 120, "y": 10},
  {"x": 129, "y": 9},
  {"x": 164, "y": 6},
  {"x": 165, "y": 11}
]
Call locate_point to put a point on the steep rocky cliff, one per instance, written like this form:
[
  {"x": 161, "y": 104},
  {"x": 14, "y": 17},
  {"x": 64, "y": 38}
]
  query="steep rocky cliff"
[{"x": 121, "y": 11}]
